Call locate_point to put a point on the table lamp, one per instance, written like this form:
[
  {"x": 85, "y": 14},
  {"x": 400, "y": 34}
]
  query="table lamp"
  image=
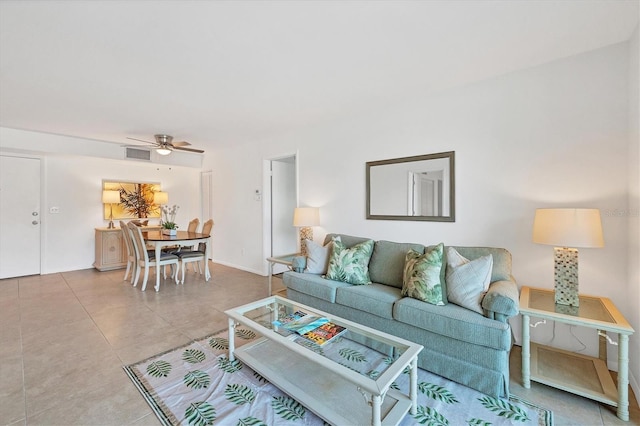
[
  {"x": 567, "y": 230},
  {"x": 110, "y": 197},
  {"x": 304, "y": 218},
  {"x": 160, "y": 198}
]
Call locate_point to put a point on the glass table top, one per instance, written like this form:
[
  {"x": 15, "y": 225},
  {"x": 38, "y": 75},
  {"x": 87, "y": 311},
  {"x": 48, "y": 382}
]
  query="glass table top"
[
  {"x": 593, "y": 311},
  {"x": 589, "y": 307},
  {"x": 378, "y": 348}
]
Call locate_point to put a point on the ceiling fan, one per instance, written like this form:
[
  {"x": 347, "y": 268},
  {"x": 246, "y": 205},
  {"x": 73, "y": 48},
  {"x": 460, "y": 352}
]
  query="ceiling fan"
[{"x": 165, "y": 146}]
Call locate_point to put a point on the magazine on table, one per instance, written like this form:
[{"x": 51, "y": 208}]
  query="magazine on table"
[
  {"x": 325, "y": 333},
  {"x": 298, "y": 322},
  {"x": 280, "y": 324},
  {"x": 289, "y": 318},
  {"x": 305, "y": 324}
]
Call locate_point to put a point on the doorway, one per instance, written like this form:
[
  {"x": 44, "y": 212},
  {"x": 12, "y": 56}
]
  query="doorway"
[
  {"x": 281, "y": 202},
  {"x": 425, "y": 193},
  {"x": 19, "y": 216}
]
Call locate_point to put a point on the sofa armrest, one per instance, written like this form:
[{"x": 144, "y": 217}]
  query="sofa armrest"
[
  {"x": 501, "y": 301},
  {"x": 298, "y": 263}
]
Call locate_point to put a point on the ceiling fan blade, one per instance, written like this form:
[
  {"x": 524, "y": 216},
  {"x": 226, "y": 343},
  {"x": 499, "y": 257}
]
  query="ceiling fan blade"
[
  {"x": 188, "y": 149},
  {"x": 140, "y": 140},
  {"x": 137, "y": 146},
  {"x": 182, "y": 143}
]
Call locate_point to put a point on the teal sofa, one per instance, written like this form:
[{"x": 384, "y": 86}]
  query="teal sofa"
[{"x": 459, "y": 344}]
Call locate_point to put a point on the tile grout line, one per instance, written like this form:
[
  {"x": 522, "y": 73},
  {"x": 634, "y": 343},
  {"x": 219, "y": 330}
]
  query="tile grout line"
[{"x": 113, "y": 350}]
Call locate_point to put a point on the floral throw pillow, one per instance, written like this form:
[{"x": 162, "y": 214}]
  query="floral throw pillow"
[
  {"x": 421, "y": 278},
  {"x": 350, "y": 265}
]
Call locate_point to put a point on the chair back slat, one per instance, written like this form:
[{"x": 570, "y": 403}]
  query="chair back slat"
[
  {"x": 193, "y": 225},
  {"x": 127, "y": 239},
  {"x": 138, "y": 242},
  {"x": 206, "y": 229}
]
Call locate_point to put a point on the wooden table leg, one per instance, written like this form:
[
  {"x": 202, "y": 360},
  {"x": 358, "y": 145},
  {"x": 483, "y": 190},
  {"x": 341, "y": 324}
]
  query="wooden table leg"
[
  {"x": 207, "y": 253},
  {"x": 232, "y": 333},
  {"x": 526, "y": 352},
  {"x": 158, "y": 255},
  {"x": 377, "y": 403},
  {"x": 623, "y": 377},
  {"x": 413, "y": 386},
  {"x": 270, "y": 274}
]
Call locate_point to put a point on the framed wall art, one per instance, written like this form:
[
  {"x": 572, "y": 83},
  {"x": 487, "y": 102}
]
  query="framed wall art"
[{"x": 136, "y": 200}]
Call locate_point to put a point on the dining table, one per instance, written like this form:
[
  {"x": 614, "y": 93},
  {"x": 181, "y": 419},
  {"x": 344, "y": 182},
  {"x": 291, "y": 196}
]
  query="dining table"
[{"x": 158, "y": 239}]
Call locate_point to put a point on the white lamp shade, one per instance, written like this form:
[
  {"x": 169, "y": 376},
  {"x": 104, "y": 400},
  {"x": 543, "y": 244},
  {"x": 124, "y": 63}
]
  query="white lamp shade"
[
  {"x": 109, "y": 197},
  {"x": 160, "y": 197},
  {"x": 163, "y": 151},
  {"x": 568, "y": 228},
  {"x": 306, "y": 216}
]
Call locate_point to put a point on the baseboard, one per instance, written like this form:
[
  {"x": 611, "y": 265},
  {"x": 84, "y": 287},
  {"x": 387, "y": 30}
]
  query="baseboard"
[{"x": 242, "y": 268}]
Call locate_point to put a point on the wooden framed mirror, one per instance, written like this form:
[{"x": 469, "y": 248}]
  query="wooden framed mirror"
[{"x": 421, "y": 188}]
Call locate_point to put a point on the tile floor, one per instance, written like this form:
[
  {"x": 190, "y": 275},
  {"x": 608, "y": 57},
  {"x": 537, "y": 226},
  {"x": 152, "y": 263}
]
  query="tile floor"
[{"x": 64, "y": 338}]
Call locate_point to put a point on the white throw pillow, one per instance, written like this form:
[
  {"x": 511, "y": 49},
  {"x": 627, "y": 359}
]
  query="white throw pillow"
[
  {"x": 467, "y": 280},
  {"x": 317, "y": 257}
]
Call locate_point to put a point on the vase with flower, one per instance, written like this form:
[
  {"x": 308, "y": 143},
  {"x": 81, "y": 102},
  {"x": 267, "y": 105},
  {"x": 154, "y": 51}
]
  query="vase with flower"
[{"x": 169, "y": 226}]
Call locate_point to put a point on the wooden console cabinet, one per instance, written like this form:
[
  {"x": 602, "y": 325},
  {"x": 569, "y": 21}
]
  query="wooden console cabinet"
[{"x": 111, "y": 251}]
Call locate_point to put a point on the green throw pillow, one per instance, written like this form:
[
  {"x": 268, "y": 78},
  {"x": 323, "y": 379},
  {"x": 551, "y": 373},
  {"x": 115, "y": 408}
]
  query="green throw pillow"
[
  {"x": 350, "y": 265},
  {"x": 421, "y": 278}
]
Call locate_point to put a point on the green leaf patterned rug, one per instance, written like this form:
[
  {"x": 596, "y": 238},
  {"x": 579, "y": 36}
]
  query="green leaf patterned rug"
[{"x": 197, "y": 384}]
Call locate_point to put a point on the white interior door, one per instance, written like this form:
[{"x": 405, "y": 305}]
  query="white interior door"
[
  {"x": 19, "y": 216},
  {"x": 284, "y": 237}
]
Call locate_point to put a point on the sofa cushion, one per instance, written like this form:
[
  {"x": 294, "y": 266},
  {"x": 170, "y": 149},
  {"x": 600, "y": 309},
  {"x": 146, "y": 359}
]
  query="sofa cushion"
[
  {"x": 377, "y": 299},
  {"x": 347, "y": 240},
  {"x": 318, "y": 257},
  {"x": 313, "y": 285},
  {"x": 387, "y": 261},
  {"x": 467, "y": 280},
  {"x": 350, "y": 265},
  {"x": 455, "y": 322},
  {"x": 422, "y": 275},
  {"x": 501, "y": 260}
]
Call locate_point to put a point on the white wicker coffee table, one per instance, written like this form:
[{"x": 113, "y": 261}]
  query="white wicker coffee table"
[{"x": 316, "y": 378}]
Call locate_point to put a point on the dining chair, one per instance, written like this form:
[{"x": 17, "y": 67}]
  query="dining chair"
[
  {"x": 193, "y": 227},
  {"x": 131, "y": 253},
  {"x": 196, "y": 256},
  {"x": 146, "y": 258}
]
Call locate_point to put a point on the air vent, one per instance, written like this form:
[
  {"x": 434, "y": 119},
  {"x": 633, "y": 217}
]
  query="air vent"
[{"x": 138, "y": 154}]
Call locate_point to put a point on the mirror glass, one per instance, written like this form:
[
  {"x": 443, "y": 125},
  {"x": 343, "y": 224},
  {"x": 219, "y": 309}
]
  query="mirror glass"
[{"x": 412, "y": 188}]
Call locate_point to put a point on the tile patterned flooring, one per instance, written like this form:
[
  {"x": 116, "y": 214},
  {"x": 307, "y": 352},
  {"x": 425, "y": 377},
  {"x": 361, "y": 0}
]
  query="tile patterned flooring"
[{"x": 64, "y": 338}]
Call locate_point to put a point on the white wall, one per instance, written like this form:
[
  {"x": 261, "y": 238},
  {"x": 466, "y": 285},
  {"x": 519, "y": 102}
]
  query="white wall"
[
  {"x": 553, "y": 135},
  {"x": 238, "y": 232},
  {"x": 633, "y": 212},
  {"x": 74, "y": 185}
]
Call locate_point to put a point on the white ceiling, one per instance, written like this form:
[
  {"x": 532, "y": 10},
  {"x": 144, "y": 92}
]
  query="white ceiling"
[{"x": 226, "y": 72}]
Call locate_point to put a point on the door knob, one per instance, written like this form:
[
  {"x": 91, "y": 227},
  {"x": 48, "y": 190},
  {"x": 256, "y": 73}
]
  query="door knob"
[
  {"x": 35, "y": 222},
  {"x": 34, "y": 214}
]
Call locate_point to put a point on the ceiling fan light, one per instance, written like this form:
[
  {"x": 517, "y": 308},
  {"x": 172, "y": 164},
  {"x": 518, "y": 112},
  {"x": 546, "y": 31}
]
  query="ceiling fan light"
[{"x": 163, "y": 151}]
